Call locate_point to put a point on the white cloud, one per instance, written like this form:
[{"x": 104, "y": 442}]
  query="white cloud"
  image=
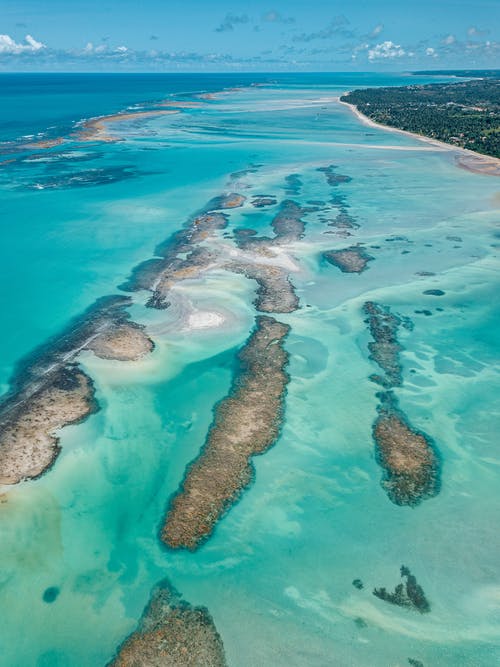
[
  {"x": 386, "y": 49},
  {"x": 231, "y": 20},
  {"x": 377, "y": 30},
  {"x": 32, "y": 42},
  {"x": 358, "y": 49},
  {"x": 431, "y": 52},
  {"x": 476, "y": 32},
  {"x": 451, "y": 39},
  {"x": 276, "y": 17},
  {"x": 8, "y": 45}
]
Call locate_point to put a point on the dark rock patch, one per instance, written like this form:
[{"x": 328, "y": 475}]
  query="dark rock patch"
[
  {"x": 407, "y": 594},
  {"x": 50, "y": 594}
]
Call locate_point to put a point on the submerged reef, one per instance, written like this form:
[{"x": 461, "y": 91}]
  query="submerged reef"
[
  {"x": 433, "y": 292},
  {"x": 83, "y": 179},
  {"x": 407, "y": 456},
  {"x": 162, "y": 272},
  {"x": 183, "y": 257},
  {"x": 172, "y": 633},
  {"x": 407, "y": 594},
  {"x": 293, "y": 185},
  {"x": 385, "y": 348},
  {"x": 230, "y": 200},
  {"x": 275, "y": 292},
  {"x": 343, "y": 223},
  {"x": 260, "y": 201},
  {"x": 332, "y": 178},
  {"x": 353, "y": 259},
  {"x": 287, "y": 225},
  {"x": 246, "y": 423},
  {"x": 49, "y": 390}
]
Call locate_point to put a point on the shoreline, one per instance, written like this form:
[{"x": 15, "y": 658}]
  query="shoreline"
[{"x": 476, "y": 163}]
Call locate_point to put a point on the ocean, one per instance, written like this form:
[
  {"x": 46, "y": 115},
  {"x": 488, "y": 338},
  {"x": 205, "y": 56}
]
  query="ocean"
[{"x": 78, "y": 213}]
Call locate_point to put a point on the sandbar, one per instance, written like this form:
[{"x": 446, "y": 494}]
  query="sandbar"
[{"x": 96, "y": 129}]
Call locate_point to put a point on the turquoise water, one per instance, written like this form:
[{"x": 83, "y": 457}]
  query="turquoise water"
[{"x": 277, "y": 573}]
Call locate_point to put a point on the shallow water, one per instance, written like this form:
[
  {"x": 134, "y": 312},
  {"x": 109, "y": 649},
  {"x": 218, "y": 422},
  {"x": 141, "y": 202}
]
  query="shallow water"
[{"x": 277, "y": 574}]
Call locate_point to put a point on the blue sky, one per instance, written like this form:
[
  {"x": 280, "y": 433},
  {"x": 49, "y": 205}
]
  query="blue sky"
[{"x": 219, "y": 35}]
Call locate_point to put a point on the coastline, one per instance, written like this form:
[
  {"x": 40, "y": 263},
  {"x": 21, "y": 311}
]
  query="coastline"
[{"x": 465, "y": 159}]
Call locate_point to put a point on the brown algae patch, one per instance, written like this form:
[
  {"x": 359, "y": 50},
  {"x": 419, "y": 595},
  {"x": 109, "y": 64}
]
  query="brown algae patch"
[
  {"x": 407, "y": 456},
  {"x": 275, "y": 292},
  {"x": 353, "y": 259},
  {"x": 385, "y": 347},
  {"x": 172, "y": 633},
  {"x": 246, "y": 423},
  {"x": 287, "y": 225},
  {"x": 28, "y": 440},
  {"x": 407, "y": 594},
  {"x": 162, "y": 272},
  {"x": 230, "y": 200},
  {"x": 183, "y": 257},
  {"x": 261, "y": 201},
  {"x": 332, "y": 178},
  {"x": 125, "y": 341}
]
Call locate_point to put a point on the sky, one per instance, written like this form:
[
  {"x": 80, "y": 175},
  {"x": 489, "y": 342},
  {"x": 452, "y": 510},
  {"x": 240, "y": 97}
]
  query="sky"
[{"x": 266, "y": 35}]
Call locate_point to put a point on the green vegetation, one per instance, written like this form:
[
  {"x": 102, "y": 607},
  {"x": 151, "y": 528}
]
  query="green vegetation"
[
  {"x": 467, "y": 73},
  {"x": 465, "y": 114}
]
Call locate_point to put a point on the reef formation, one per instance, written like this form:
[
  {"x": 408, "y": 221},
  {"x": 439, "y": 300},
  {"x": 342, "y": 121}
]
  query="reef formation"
[
  {"x": 246, "y": 423},
  {"x": 193, "y": 251},
  {"x": 353, "y": 259},
  {"x": 407, "y": 594},
  {"x": 49, "y": 390},
  {"x": 332, "y": 178},
  {"x": 407, "y": 455},
  {"x": 171, "y": 633}
]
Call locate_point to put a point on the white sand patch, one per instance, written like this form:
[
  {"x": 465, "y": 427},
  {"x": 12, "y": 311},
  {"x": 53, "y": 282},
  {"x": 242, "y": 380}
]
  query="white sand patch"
[{"x": 204, "y": 319}]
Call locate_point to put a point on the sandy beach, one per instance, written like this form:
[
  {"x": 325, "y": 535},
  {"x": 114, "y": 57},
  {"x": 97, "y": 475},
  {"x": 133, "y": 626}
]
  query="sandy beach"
[{"x": 466, "y": 159}]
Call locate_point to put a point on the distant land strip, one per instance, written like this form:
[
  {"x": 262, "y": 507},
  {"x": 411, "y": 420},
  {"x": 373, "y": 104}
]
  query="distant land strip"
[{"x": 464, "y": 114}]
